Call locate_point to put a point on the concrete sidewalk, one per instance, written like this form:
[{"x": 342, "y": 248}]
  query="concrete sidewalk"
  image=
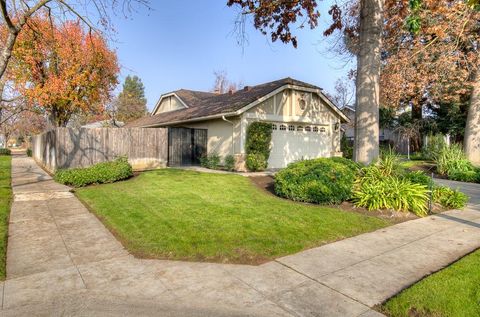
[{"x": 62, "y": 261}]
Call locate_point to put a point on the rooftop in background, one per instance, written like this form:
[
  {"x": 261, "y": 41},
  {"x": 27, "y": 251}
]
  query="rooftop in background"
[{"x": 104, "y": 124}]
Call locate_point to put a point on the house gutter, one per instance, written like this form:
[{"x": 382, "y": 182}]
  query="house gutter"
[{"x": 233, "y": 131}]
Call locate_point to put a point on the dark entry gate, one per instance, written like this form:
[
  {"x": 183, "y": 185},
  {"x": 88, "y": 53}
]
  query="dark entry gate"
[{"x": 186, "y": 146}]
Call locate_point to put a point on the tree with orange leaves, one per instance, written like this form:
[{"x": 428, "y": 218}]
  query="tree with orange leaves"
[{"x": 63, "y": 70}]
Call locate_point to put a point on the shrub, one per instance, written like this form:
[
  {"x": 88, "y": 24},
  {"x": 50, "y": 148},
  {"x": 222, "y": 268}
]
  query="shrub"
[
  {"x": 419, "y": 177},
  {"x": 258, "y": 139},
  {"x": 389, "y": 163},
  {"x": 432, "y": 149},
  {"x": 452, "y": 159},
  {"x": 229, "y": 162},
  {"x": 376, "y": 191},
  {"x": 472, "y": 176},
  {"x": 346, "y": 147},
  {"x": 106, "y": 172},
  {"x": 5, "y": 151},
  {"x": 29, "y": 152},
  {"x": 449, "y": 198},
  {"x": 256, "y": 162},
  {"x": 323, "y": 180},
  {"x": 211, "y": 161}
]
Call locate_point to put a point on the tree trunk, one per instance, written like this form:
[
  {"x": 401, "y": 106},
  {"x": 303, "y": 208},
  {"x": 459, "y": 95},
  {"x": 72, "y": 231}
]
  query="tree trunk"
[
  {"x": 368, "y": 82},
  {"x": 472, "y": 128},
  {"x": 7, "y": 51}
]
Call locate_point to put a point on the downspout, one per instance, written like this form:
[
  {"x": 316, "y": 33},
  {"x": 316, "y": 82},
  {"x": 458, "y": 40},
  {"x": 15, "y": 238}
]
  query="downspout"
[{"x": 233, "y": 130}]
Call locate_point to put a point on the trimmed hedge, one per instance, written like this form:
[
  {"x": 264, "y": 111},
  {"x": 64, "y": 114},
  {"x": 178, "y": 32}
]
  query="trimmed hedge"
[
  {"x": 5, "y": 151},
  {"x": 257, "y": 145},
  {"x": 29, "y": 152},
  {"x": 106, "y": 172},
  {"x": 323, "y": 180}
]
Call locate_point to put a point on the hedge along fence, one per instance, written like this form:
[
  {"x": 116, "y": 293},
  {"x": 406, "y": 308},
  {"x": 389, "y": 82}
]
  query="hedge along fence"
[
  {"x": 63, "y": 148},
  {"x": 257, "y": 145}
]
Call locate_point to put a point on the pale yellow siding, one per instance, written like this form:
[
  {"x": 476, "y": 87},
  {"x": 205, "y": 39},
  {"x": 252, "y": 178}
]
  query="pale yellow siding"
[
  {"x": 285, "y": 106},
  {"x": 169, "y": 103},
  {"x": 303, "y": 110},
  {"x": 220, "y": 135}
]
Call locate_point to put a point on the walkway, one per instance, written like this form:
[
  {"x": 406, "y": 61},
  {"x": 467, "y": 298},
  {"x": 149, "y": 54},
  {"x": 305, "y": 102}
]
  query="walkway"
[{"x": 62, "y": 261}]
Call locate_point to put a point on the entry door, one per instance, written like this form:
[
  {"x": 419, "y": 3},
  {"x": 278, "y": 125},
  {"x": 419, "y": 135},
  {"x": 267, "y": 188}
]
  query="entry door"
[{"x": 186, "y": 146}]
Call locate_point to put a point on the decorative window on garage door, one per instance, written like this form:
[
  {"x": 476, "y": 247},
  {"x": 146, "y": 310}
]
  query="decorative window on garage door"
[
  {"x": 274, "y": 126},
  {"x": 283, "y": 127},
  {"x": 291, "y": 128}
]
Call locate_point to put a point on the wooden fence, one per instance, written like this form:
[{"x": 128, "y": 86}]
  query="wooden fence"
[{"x": 70, "y": 148}]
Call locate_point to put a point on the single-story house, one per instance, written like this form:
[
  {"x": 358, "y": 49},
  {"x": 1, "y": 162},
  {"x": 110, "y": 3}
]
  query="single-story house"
[{"x": 305, "y": 123}]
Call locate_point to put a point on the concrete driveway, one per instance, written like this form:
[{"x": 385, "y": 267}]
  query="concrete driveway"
[{"x": 62, "y": 261}]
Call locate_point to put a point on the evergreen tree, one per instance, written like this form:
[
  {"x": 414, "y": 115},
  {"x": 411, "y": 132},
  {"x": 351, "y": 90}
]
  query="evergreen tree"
[{"x": 131, "y": 102}]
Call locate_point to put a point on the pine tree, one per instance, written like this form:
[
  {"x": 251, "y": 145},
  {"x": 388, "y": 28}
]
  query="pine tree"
[{"x": 131, "y": 102}]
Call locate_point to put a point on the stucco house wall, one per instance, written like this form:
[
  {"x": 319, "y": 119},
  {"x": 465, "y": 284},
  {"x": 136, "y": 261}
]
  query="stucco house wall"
[{"x": 220, "y": 134}]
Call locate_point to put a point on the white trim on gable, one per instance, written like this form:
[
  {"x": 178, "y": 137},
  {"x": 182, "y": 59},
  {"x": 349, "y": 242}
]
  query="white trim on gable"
[
  {"x": 249, "y": 106},
  {"x": 170, "y": 94},
  {"x": 299, "y": 88}
]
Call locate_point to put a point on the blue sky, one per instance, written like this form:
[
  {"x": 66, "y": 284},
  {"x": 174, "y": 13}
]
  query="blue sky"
[{"x": 179, "y": 44}]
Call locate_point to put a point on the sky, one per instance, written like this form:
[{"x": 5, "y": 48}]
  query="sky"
[{"x": 179, "y": 44}]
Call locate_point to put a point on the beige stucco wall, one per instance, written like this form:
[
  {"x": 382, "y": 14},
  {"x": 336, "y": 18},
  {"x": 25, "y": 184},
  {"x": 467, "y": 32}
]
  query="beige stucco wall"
[
  {"x": 169, "y": 103},
  {"x": 220, "y": 135},
  {"x": 284, "y": 107}
]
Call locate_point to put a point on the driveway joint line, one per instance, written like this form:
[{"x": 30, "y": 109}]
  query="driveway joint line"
[
  {"x": 265, "y": 296},
  {"x": 321, "y": 283}
]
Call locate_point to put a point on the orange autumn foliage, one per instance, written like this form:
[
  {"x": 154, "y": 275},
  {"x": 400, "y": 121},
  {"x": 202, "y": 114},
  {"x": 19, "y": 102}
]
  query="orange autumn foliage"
[
  {"x": 435, "y": 65},
  {"x": 62, "y": 69}
]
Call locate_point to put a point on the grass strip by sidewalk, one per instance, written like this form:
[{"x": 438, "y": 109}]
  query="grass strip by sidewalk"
[
  {"x": 5, "y": 201},
  {"x": 186, "y": 215},
  {"x": 453, "y": 291}
]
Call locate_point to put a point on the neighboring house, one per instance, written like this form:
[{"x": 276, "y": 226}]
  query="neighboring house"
[
  {"x": 387, "y": 136},
  {"x": 104, "y": 124},
  {"x": 305, "y": 123},
  {"x": 348, "y": 128}
]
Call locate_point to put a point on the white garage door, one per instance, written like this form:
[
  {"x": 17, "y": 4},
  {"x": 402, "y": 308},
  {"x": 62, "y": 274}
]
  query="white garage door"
[{"x": 292, "y": 143}]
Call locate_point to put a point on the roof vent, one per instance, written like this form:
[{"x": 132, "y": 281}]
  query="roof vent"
[
  {"x": 230, "y": 92},
  {"x": 247, "y": 88}
]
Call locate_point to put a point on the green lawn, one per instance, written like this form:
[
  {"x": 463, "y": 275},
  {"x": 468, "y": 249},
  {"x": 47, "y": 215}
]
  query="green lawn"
[
  {"x": 5, "y": 199},
  {"x": 452, "y": 292},
  {"x": 188, "y": 215}
]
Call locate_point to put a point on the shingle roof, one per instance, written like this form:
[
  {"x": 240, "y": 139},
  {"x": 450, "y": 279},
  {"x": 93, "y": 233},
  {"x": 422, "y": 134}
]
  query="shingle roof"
[{"x": 204, "y": 104}]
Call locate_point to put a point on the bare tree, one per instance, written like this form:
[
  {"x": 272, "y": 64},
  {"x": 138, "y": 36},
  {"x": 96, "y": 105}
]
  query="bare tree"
[
  {"x": 344, "y": 92},
  {"x": 222, "y": 84}
]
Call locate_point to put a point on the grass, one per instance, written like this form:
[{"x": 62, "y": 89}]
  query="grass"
[
  {"x": 188, "y": 215},
  {"x": 5, "y": 200},
  {"x": 453, "y": 292},
  {"x": 413, "y": 163}
]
